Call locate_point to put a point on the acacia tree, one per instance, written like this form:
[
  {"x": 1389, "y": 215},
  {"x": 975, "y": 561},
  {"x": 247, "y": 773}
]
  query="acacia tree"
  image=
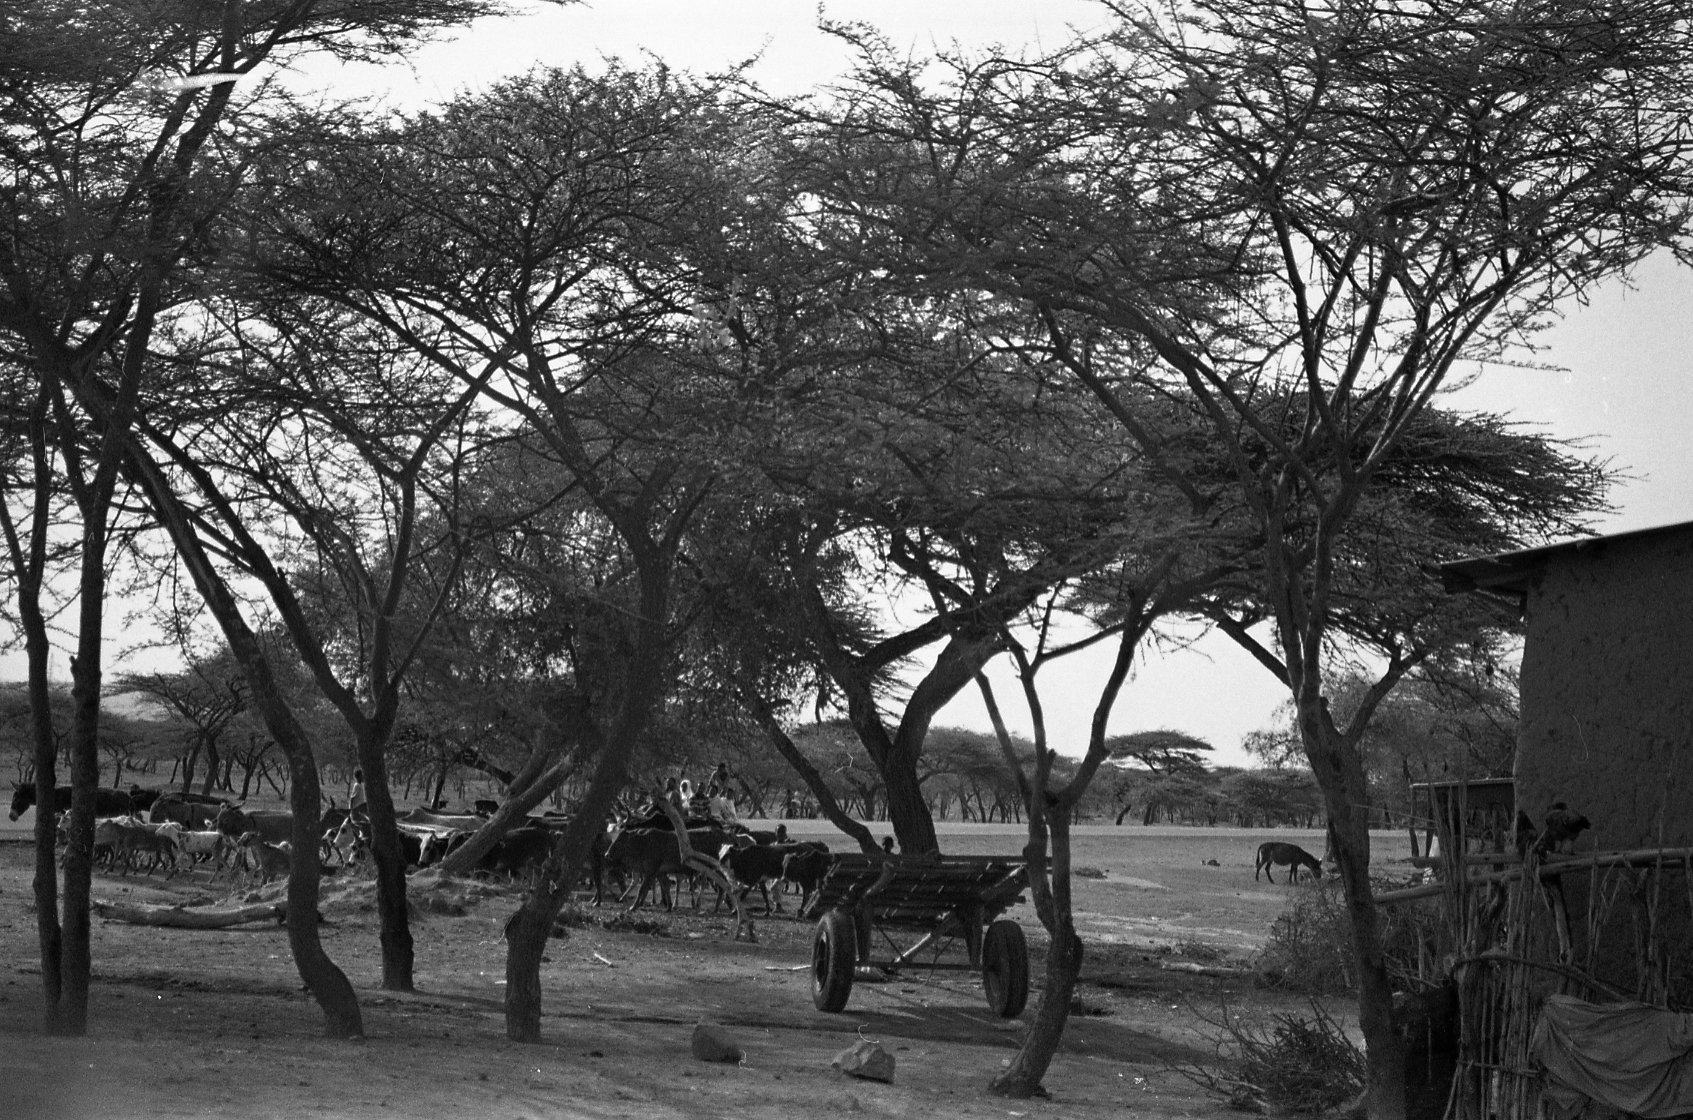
[
  {"x": 1305, "y": 221},
  {"x": 125, "y": 132},
  {"x": 917, "y": 465},
  {"x": 207, "y": 696},
  {"x": 541, "y": 242}
]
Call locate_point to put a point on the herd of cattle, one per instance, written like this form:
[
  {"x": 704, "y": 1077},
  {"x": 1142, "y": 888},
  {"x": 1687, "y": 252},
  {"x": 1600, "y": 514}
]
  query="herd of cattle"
[{"x": 146, "y": 831}]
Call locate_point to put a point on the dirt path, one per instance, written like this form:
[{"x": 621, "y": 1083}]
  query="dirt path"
[{"x": 215, "y": 1024}]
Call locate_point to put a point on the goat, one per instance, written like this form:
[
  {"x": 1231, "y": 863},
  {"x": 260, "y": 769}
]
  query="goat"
[
  {"x": 129, "y": 840},
  {"x": 267, "y": 861}
]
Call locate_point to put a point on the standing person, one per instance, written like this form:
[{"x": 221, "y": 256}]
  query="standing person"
[
  {"x": 723, "y": 810},
  {"x": 355, "y": 795},
  {"x": 719, "y": 782}
]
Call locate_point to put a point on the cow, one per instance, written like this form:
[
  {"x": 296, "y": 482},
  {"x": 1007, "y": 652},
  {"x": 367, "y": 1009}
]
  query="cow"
[
  {"x": 423, "y": 847},
  {"x": 650, "y": 854},
  {"x": 141, "y": 799},
  {"x": 1275, "y": 853},
  {"x": 107, "y": 802},
  {"x": 273, "y": 825},
  {"x": 757, "y": 865},
  {"x": 805, "y": 868},
  {"x": 350, "y": 840},
  {"x": 128, "y": 837},
  {"x": 520, "y": 851},
  {"x": 190, "y": 811},
  {"x": 199, "y": 845}
]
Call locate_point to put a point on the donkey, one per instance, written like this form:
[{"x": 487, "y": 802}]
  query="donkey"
[{"x": 1275, "y": 853}]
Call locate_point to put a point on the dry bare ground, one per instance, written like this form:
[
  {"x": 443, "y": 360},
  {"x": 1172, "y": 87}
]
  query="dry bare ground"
[{"x": 214, "y": 1023}]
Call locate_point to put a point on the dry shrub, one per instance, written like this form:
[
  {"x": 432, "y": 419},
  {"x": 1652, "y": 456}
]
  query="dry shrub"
[
  {"x": 1310, "y": 945},
  {"x": 1309, "y": 949},
  {"x": 1286, "y": 1065}
]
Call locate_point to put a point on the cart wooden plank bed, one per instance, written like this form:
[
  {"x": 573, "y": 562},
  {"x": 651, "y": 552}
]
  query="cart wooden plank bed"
[{"x": 945, "y": 897}]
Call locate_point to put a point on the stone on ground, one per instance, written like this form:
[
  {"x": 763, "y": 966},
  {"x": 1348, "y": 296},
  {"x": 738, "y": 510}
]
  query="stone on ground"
[{"x": 865, "y": 1059}]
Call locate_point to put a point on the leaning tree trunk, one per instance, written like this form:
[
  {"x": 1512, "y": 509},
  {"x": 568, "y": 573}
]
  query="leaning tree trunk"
[
  {"x": 528, "y": 929},
  {"x": 908, "y": 812},
  {"x": 1045, "y": 1030},
  {"x": 808, "y": 773},
  {"x": 323, "y": 978}
]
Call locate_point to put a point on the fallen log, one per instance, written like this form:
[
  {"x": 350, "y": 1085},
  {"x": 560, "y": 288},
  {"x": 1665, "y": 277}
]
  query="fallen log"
[
  {"x": 1206, "y": 969},
  {"x": 183, "y": 917}
]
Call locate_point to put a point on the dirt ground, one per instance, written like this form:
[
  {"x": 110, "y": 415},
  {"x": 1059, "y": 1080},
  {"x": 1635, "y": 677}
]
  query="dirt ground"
[{"x": 188, "y": 1023}]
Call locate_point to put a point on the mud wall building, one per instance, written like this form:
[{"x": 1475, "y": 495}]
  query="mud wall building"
[{"x": 1607, "y": 680}]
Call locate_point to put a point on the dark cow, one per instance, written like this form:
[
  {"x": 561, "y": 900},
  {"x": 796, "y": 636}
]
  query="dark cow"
[
  {"x": 760, "y": 864},
  {"x": 519, "y": 852},
  {"x": 141, "y": 799},
  {"x": 597, "y": 848},
  {"x": 651, "y": 854},
  {"x": 107, "y": 802},
  {"x": 805, "y": 868},
  {"x": 273, "y": 825},
  {"x": 1275, "y": 853},
  {"x": 195, "y": 815}
]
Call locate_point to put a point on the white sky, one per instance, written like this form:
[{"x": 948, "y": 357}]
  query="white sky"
[{"x": 1624, "y": 383}]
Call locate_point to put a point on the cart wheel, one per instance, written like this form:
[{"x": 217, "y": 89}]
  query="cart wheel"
[
  {"x": 834, "y": 953},
  {"x": 1005, "y": 968}
]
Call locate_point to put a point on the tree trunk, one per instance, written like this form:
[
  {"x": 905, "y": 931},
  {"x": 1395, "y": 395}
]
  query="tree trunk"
[
  {"x": 513, "y": 810},
  {"x": 1341, "y": 776},
  {"x": 214, "y": 763},
  {"x": 526, "y": 935},
  {"x": 1022, "y": 1078},
  {"x": 398, "y": 949},
  {"x": 529, "y": 928},
  {"x": 327, "y": 983},
  {"x": 28, "y": 565},
  {"x": 907, "y": 811}
]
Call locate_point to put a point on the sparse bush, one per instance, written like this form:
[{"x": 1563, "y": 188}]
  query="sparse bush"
[
  {"x": 1310, "y": 945},
  {"x": 1286, "y": 1065}
]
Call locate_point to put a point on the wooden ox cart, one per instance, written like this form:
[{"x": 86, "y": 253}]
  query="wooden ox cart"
[{"x": 864, "y": 898}]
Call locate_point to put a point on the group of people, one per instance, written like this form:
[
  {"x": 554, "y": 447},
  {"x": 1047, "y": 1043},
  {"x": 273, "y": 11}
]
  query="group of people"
[{"x": 715, "y": 800}]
